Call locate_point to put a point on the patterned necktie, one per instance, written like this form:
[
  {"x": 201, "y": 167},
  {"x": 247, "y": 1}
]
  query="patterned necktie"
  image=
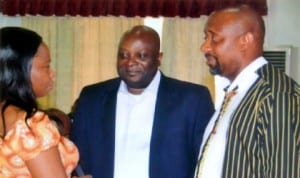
[{"x": 227, "y": 98}]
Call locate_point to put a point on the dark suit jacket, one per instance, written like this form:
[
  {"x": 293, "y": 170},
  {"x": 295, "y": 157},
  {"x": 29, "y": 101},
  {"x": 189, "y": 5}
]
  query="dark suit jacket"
[{"x": 181, "y": 113}]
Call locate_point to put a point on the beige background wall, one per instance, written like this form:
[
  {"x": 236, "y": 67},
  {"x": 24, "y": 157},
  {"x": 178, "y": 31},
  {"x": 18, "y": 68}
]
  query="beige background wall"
[{"x": 283, "y": 28}]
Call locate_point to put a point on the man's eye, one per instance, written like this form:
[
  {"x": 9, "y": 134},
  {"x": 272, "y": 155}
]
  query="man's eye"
[
  {"x": 122, "y": 56},
  {"x": 216, "y": 39},
  {"x": 142, "y": 56}
]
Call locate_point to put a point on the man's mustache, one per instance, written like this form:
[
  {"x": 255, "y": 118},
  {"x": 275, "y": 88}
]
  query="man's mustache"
[{"x": 208, "y": 55}]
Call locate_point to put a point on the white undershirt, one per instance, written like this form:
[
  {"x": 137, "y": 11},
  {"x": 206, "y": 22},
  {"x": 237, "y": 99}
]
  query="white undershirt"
[
  {"x": 134, "y": 120},
  {"x": 213, "y": 162}
]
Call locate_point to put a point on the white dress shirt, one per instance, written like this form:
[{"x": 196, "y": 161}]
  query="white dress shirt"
[
  {"x": 134, "y": 120},
  {"x": 213, "y": 162}
]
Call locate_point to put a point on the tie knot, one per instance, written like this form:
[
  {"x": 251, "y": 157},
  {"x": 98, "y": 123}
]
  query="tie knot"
[{"x": 231, "y": 93}]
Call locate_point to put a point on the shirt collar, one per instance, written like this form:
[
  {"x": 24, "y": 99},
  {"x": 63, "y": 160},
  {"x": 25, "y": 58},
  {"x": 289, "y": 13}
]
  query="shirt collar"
[{"x": 248, "y": 74}]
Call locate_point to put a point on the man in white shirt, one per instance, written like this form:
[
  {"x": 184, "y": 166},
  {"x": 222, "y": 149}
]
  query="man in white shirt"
[
  {"x": 141, "y": 124},
  {"x": 258, "y": 133}
]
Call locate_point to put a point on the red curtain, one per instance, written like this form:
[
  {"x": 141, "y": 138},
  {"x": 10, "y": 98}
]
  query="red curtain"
[{"x": 128, "y": 8}]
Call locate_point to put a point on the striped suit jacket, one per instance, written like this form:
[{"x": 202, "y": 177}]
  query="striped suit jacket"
[{"x": 264, "y": 133}]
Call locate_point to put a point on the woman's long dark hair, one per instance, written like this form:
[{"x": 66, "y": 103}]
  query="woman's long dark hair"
[{"x": 17, "y": 49}]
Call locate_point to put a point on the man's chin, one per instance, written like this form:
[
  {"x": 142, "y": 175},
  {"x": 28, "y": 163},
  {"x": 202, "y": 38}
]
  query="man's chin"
[{"x": 136, "y": 85}]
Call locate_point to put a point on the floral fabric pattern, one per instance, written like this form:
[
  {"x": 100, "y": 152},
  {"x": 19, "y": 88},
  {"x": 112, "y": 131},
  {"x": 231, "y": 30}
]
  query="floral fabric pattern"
[{"x": 25, "y": 141}]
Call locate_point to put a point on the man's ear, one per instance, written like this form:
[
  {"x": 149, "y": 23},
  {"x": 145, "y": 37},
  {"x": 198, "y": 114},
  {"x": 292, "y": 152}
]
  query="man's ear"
[
  {"x": 246, "y": 40},
  {"x": 160, "y": 57}
]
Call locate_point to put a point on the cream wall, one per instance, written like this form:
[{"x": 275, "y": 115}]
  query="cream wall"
[{"x": 283, "y": 28}]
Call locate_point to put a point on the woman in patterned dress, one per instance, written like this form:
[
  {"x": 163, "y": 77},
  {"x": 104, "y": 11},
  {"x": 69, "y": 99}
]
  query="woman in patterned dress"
[{"x": 30, "y": 144}]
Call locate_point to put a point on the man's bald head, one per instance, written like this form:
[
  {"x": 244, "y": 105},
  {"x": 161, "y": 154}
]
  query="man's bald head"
[
  {"x": 249, "y": 20},
  {"x": 142, "y": 31}
]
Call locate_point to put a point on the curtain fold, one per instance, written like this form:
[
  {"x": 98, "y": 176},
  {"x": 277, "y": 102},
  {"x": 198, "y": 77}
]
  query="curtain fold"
[
  {"x": 127, "y": 8},
  {"x": 181, "y": 47}
]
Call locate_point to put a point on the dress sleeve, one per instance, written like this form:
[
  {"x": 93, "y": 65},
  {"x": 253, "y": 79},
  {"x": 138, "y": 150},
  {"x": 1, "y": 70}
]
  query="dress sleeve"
[{"x": 28, "y": 140}]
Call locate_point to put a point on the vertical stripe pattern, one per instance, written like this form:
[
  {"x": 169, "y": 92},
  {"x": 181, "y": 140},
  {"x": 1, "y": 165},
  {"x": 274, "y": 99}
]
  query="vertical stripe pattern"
[{"x": 264, "y": 134}]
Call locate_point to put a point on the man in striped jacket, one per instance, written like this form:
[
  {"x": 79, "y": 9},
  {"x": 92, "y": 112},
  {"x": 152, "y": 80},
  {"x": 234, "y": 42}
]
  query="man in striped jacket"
[{"x": 256, "y": 134}]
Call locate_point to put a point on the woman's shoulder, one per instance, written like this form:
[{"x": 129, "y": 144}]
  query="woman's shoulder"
[
  {"x": 16, "y": 117},
  {"x": 33, "y": 135},
  {"x": 29, "y": 137},
  {"x": 12, "y": 114}
]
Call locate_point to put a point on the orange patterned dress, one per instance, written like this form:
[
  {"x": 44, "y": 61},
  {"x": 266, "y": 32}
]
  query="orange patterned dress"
[{"x": 24, "y": 142}]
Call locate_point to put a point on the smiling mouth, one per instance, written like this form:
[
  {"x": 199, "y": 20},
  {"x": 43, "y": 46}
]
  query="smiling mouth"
[{"x": 132, "y": 73}]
